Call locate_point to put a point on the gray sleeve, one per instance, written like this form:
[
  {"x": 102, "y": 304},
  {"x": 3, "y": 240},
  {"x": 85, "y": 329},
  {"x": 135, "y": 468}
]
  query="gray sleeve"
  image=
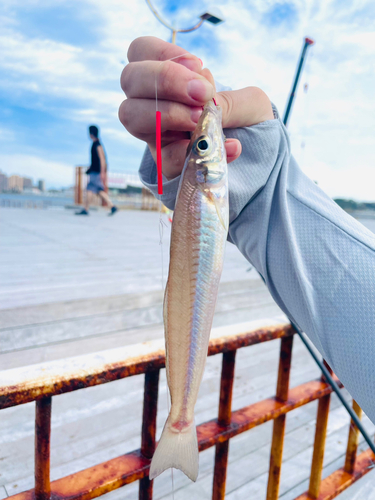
[{"x": 317, "y": 261}]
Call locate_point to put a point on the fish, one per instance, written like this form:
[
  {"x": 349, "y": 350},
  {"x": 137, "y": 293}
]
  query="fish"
[{"x": 199, "y": 233}]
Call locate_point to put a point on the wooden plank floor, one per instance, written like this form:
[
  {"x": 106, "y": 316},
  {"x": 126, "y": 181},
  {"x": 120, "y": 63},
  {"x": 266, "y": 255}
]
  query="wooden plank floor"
[{"x": 70, "y": 286}]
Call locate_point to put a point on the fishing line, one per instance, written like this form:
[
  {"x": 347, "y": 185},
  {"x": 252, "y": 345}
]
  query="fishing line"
[
  {"x": 162, "y": 224},
  {"x": 305, "y": 116}
]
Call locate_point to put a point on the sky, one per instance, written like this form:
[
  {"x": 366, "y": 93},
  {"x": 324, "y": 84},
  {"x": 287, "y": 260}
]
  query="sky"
[{"x": 61, "y": 61}]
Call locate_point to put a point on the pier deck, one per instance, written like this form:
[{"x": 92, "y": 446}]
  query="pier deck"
[{"x": 72, "y": 285}]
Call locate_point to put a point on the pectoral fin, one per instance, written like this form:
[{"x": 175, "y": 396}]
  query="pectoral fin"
[
  {"x": 219, "y": 214},
  {"x": 223, "y": 220}
]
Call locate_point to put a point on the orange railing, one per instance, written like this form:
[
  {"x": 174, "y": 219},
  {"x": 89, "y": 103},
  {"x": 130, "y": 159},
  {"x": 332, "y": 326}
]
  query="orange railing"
[{"x": 55, "y": 378}]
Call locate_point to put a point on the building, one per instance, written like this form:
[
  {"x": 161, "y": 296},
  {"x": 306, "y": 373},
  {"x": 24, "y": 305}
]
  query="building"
[
  {"x": 3, "y": 182},
  {"x": 15, "y": 183},
  {"x": 41, "y": 185},
  {"x": 122, "y": 181},
  {"x": 27, "y": 183}
]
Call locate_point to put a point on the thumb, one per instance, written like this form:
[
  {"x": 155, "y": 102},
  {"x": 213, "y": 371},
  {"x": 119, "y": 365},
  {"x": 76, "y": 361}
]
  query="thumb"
[{"x": 245, "y": 107}]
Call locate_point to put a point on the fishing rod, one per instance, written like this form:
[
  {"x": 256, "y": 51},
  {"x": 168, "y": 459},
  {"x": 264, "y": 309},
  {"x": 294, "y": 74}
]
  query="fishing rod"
[{"x": 307, "y": 43}]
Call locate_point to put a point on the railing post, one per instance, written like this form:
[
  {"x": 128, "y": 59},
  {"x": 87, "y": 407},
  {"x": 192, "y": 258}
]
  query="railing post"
[
  {"x": 225, "y": 412},
  {"x": 150, "y": 406},
  {"x": 42, "y": 448},
  {"x": 319, "y": 445},
  {"x": 279, "y": 423},
  {"x": 351, "y": 450},
  {"x": 78, "y": 198},
  {"x": 320, "y": 440}
]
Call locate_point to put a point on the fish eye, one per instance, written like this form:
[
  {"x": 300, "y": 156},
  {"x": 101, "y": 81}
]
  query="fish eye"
[{"x": 203, "y": 145}]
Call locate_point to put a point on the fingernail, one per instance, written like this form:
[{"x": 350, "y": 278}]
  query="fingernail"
[
  {"x": 199, "y": 90},
  {"x": 195, "y": 114},
  {"x": 201, "y": 62}
]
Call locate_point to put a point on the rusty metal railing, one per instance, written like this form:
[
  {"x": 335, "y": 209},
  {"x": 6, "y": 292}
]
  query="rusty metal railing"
[
  {"x": 78, "y": 185},
  {"x": 91, "y": 370}
]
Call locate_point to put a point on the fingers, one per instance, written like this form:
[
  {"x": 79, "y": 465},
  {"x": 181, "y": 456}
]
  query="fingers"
[
  {"x": 208, "y": 76},
  {"x": 233, "y": 148},
  {"x": 245, "y": 107},
  {"x": 174, "y": 82},
  {"x": 138, "y": 116},
  {"x": 150, "y": 48}
]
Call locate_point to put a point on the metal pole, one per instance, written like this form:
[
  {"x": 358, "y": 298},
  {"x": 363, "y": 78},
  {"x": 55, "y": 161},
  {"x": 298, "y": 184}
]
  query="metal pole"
[
  {"x": 42, "y": 448},
  {"x": 167, "y": 25},
  {"x": 336, "y": 389},
  {"x": 80, "y": 186},
  {"x": 307, "y": 43}
]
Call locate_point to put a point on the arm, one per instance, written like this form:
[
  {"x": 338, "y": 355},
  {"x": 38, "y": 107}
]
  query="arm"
[{"x": 317, "y": 261}]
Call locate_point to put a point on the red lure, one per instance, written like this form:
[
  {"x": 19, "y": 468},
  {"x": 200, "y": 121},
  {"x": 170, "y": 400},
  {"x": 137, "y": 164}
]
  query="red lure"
[{"x": 158, "y": 152}]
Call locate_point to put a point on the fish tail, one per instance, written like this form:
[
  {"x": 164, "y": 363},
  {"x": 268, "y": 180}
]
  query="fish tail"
[{"x": 178, "y": 449}]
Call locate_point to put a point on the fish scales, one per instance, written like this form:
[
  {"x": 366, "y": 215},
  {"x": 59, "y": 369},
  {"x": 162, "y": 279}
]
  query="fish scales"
[{"x": 199, "y": 233}]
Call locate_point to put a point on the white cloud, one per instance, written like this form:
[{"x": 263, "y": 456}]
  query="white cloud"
[{"x": 335, "y": 119}]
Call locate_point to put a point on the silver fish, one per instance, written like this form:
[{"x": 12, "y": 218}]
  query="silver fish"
[{"x": 199, "y": 233}]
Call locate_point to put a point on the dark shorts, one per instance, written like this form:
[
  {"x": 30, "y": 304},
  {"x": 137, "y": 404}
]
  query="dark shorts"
[{"x": 95, "y": 184}]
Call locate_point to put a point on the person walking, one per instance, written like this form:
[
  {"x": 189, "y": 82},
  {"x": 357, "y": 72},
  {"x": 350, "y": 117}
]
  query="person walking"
[{"x": 97, "y": 173}]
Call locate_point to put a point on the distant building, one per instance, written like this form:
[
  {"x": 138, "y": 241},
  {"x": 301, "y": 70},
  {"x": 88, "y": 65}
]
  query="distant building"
[
  {"x": 27, "y": 183},
  {"x": 3, "y": 182},
  {"x": 15, "y": 183},
  {"x": 122, "y": 181},
  {"x": 41, "y": 185}
]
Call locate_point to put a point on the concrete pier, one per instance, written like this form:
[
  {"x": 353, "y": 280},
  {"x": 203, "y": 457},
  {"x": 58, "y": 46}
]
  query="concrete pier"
[{"x": 72, "y": 285}]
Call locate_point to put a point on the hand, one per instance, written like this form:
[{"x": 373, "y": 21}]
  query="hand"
[{"x": 183, "y": 88}]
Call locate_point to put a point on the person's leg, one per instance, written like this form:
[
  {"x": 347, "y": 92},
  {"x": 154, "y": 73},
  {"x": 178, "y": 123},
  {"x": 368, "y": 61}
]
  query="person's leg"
[
  {"x": 86, "y": 205},
  {"x": 88, "y": 200},
  {"x": 106, "y": 198}
]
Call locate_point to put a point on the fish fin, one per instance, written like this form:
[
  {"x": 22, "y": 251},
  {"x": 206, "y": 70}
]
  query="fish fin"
[
  {"x": 220, "y": 215},
  {"x": 212, "y": 198},
  {"x": 178, "y": 450}
]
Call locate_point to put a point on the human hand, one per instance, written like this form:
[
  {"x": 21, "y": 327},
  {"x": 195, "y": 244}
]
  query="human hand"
[{"x": 183, "y": 88}]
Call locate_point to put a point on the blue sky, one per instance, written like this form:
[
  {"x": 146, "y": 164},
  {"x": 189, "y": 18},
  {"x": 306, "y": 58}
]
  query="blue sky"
[{"x": 60, "y": 65}]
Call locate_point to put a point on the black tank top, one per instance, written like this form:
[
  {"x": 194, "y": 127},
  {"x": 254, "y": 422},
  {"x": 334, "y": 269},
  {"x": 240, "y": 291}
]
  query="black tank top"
[{"x": 95, "y": 160}]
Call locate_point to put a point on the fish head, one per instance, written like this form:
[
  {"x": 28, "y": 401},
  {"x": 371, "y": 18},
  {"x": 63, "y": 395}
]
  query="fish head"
[{"x": 206, "y": 160}]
